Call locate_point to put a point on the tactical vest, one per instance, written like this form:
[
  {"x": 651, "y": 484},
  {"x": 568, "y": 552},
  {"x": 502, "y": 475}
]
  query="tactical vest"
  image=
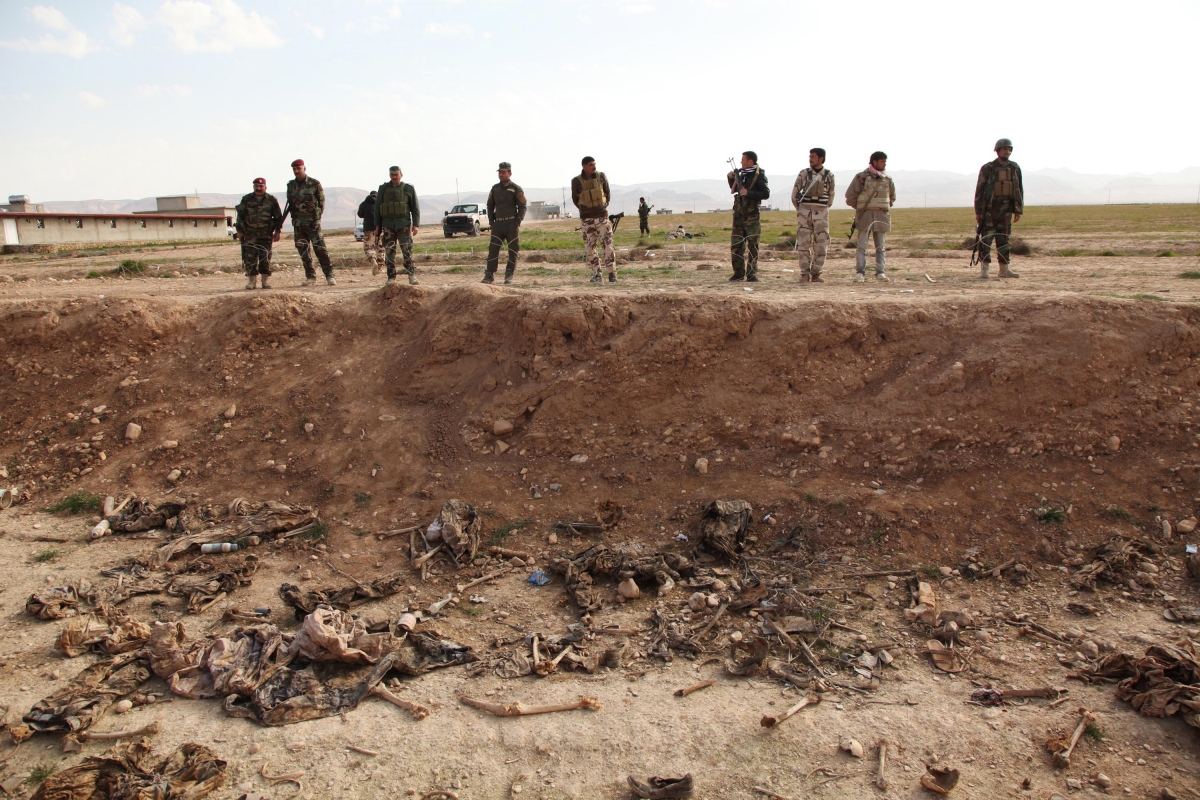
[
  {"x": 591, "y": 194},
  {"x": 393, "y": 201},
  {"x": 505, "y": 200},
  {"x": 818, "y": 191},
  {"x": 1005, "y": 182},
  {"x": 303, "y": 199},
  {"x": 876, "y": 193},
  {"x": 256, "y": 214}
]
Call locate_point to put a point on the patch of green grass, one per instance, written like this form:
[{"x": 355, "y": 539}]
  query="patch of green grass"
[
  {"x": 810, "y": 498},
  {"x": 362, "y": 499},
  {"x": 932, "y": 571},
  {"x": 329, "y": 490},
  {"x": 538, "y": 271},
  {"x": 94, "y": 274},
  {"x": 1116, "y": 512},
  {"x": 1148, "y": 297},
  {"x": 78, "y": 503},
  {"x": 319, "y": 530},
  {"x": 1071, "y": 251},
  {"x": 461, "y": 269},
  {"x": 501, "y": 533},
  {"x": 1166, "y": 254},
  {"x": 1051, "y": 515},
  {"x": 1109, "y": 253},
  {"x": 46, "y": 555},
  {"x": 1191, "y": 274},
  {"x": 471, "y": 610},
  {"x": 129, "y": 268},
  {"x": 1094, "y": 732},
  {"x": 40, "y": 773}
]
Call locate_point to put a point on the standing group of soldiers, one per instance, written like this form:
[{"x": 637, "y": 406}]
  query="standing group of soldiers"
[{"x": 391, "y": 216}]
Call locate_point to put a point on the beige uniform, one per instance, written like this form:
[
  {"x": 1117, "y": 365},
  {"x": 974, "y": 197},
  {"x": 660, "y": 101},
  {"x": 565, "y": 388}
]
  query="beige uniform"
[
  {"x": 871, "y": 196},
  {"x": 812, "y": 194}
]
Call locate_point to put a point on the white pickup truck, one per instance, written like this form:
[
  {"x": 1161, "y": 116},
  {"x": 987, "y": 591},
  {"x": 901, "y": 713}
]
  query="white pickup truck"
[{"x": 468, "y": 218}]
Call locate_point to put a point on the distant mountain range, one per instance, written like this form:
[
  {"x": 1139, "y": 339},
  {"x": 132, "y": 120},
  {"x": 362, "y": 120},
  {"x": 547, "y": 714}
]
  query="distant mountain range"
[{"x": 913, "y": 189}]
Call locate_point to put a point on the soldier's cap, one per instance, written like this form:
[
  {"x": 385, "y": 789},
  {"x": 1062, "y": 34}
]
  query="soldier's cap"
[
  {"x": 504, "y": 165},
  {"x": 393, "y": 169},
  {"x": 263, "y": 181},
  {"x": 299, "y": 162}
]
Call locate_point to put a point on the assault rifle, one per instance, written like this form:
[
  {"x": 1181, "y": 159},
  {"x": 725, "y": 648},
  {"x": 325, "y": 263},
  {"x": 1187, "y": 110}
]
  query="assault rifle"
[{"x": 977, "y": 248}]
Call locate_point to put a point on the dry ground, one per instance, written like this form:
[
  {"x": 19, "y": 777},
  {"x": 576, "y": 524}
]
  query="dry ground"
[{"x": 950, "y": 414}]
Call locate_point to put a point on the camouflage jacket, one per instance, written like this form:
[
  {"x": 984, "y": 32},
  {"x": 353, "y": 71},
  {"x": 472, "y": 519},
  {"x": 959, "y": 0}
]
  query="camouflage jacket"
[
  {"x": 307, "y": 200},
  {"x": 258, "y": 216},
  {"x": 755, "y": 181},
  {"x": 643, "y": 210},
  {"x": 813, "y": 186},
  {"x": 506, "y": 202},
  {"x": 1000, "y": 189}
]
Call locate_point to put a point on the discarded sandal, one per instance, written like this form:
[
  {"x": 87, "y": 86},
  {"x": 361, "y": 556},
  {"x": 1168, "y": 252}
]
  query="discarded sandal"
[
  {"x": 940, "y": 780},
  {"x": 664, "y": 787}
]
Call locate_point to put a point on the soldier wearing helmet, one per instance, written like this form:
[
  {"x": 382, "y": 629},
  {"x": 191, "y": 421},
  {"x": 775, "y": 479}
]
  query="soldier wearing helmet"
[{"x": 999, "y": 202}]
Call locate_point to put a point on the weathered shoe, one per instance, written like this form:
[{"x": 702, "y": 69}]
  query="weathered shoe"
[
  {"x": 375, "y": 268},
  {"x": 252, "y": 282},
  {"x": 1008, "y": 273},
  {"x": 882, "y": 276},
  {"x": 265, "y": 285},
  {"x": 487, "y": 278},
  {"x": 612, "y": 277},
  {"x": 412, "y": 280},
  {"x": 816, "y": 278},
  {"x": 391, "y": 279},
  {"x": 309, "y": 282},
  {"x": 737, "y": 278},
  {"x": 595, "y": 278},
  {"x": 655, "y": 788},
  {"x": 508, "y": 279},
  {"x": 751, "y": 279},
  {"x": 330, "y": 282},
  {"x": 859, "y": 277}
]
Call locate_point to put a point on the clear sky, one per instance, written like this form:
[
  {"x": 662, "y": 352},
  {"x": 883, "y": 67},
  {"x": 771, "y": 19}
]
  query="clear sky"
[{"x": 147, "y": 97}]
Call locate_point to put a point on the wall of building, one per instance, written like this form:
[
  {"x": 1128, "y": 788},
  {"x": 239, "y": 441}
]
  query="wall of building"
[{"x": 46, "y": 229}]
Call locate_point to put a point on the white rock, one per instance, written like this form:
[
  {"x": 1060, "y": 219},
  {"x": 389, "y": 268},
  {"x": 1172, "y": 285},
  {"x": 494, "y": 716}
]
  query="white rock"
[
  {"x": 629, "y": 589},
  {"x": 1114, "y": 443},
  {"x": 230, "y": 412},
  {"x": 281, "y": 468},
  {"x": 1103, "y": 781},
  {"x": 133, "y": 431},
  {"x": 702, "y": 465},
  {"x": 174, "y": 475},
  {"x": 169, "y": 444},
  {"x": 698, "y": 601},
  {"x": 718, "y": 585},
  {"x": 713, "y": 601},
  {"x": 502, "y": 427},
  {"x": 308, "y": 427},
  {"x": 502, "y": 447},
  {"x": 1166, "y": 528},
  {"x": 579, "y": 459},
  {"x": 99, "y": 409}
]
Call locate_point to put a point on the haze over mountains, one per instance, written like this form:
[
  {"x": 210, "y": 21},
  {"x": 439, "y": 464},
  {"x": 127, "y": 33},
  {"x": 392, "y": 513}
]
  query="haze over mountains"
[{"x": 913, "y": 189}]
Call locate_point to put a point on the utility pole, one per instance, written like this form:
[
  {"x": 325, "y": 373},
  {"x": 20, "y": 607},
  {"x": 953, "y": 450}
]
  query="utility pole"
[{"x": 456, "y": 194}]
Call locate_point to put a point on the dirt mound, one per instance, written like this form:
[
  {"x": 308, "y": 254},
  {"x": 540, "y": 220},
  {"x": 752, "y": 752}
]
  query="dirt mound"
[{"x": 391, "y": 400}]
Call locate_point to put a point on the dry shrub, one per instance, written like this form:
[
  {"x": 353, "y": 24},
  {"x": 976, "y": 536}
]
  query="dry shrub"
[
  {"x": 1019, "y": 247},
  {"x": 536, "y": 258}
]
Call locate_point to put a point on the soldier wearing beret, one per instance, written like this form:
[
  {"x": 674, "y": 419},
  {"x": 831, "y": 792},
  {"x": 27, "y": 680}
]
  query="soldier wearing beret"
[
  {"x": 506, "y": 210},
  {"x": 259, "y": 221},
  {"x": 306, "y": 200}
]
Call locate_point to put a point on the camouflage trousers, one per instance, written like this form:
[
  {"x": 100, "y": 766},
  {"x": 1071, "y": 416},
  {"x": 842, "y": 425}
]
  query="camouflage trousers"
[
  {"x": 812, "y": 237},
  {"x": 256, "y": 254},
  {"x": 372, "y": 249},
  {"x": 743, "y": 244},
  {"x": 390, "y": 239},
  {"x": 643, "y": 224},
  {"x": 872, "y": 223},
  {"x": 997, "y": 227},
  {"x": 509, "y": 231},
  {"x": 599, "y": 232},
  {"x": 308, "y": 241}
]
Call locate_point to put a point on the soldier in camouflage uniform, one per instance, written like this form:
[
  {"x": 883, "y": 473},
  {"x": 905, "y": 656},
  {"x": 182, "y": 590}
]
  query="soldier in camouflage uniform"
[
  {"x": 871, "y": 194},
  {"x": 306, "y": 201},
  {"x": 749, "y": 187},
  {"x": 506, "y": 210},
  {"x": 643, "y": 217},
  {"x": 590, "y": 194},
  {"x": 999, "y": 202},
  {"x": 397, "y": 216},
  {"x": 259, "y": 221},
  {"x": 812, "y": 195}
]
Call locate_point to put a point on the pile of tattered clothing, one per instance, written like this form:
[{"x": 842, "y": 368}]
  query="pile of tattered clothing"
[{"x": 1163, "y": 682}]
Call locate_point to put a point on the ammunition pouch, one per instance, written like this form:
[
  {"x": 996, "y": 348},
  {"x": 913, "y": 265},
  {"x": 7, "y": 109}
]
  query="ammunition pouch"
[
  {"x": 591, "y": 193},
  {"x": 393, "y": 202}
]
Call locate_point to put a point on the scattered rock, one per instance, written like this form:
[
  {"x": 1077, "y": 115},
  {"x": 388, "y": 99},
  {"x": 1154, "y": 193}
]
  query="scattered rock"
[
  {"x": 629, "y": 589},
  {"x": 295, "y": 746},
  {"x": 1114, "y": 444},
  {"x": 231, "y": 412},
  {"x": 169, "y": 444},
  {"x": 1186, "y": 525},
  {"x": 1074, "y": 784},
  {"x": 945, "y": 571},
  {"x": 1103, "y": 781},
  {"x": 306, "y": 574},
  {"x": 121, "y": 706},
  {"x": 1166, "y": 528},
  {"x": 577, "y": 459},
  {"x": 308, "y": 427},
  {"x": 489, "y": 383},
  {"x": 174, "y": 475},
  {"x": 1090, "y": 649},
  {"x": 702, "y": 465},
  {"x": 502, "y": 447},
  {"x": 281, "y": 468},
  {"x": 1167, "y": 794},
  {"x": 133, "y": 431},
  {"x": 718, "y": 585},
  {"x": 698, "y": 602},
  {"x": 502, "y": 427}
]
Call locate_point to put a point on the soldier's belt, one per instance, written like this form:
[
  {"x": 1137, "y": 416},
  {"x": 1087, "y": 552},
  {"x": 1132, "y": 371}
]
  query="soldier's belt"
[{"x": 502, "y": 219}]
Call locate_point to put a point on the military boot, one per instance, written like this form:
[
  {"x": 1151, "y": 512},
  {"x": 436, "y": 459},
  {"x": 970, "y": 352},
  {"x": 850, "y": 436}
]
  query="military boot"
[
  {"x": 612, "y": 277},
  {"x": 252, "y": 281},
  {"x": 984, "y": 266},
  {"x": 412, "y": 280},
  {"x": 595, "y": 278},
  {"x": 488, "y": 277},
  {"x": 265, "y": 285},
  {"x": 309, "y": 282},
  {"x": 508, "y": 276},
  {"x": 1005, "y": 272},
  {"x": 816, "y": 278},
  {"x": 329, "y": 281}
]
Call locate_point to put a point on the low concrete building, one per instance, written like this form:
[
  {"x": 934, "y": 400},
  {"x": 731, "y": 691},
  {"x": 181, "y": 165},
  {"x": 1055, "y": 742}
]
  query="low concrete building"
[
  {"x": 188, "y": 204},
  {"x": 26, "y": 231},
  {"x": 20, "y": 202}
]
